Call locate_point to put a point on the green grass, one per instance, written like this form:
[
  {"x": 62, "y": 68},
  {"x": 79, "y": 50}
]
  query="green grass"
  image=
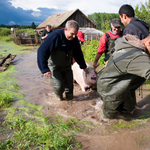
[
  {"x": 142, "y": 141},
  {"x": 53, "y": 134},
  {"x": 11, "y": 48},
  {"x": 25, "y": 127},
  {"x": 8, "y": 88},
  {"x": 6, "y": 38},
  {"x": 30, "y": 128},
  {"x": 123, "y": 125}
]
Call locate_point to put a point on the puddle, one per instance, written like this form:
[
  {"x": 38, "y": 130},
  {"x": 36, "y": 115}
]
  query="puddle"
[{"x": 85, "y": 106}]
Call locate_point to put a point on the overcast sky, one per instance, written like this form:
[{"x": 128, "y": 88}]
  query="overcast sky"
[{"x": 24, "y": 12}]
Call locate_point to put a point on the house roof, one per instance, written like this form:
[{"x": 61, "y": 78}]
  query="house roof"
[
  {"x": 91, "y": 31},
  {"x": 57, "y": 19}
]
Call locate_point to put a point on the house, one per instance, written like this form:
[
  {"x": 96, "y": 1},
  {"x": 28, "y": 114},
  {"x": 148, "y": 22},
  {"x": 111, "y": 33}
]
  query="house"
[{"x": 58, "y": 21}]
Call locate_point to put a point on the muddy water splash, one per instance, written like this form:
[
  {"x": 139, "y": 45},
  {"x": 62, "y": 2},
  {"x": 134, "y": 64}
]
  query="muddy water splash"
[
  {"x": 39, "y": 91},
  {"x": 85, "y": 106}
]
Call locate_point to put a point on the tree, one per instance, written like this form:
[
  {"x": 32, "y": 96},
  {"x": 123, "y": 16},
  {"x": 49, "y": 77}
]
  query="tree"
[
  {"x": 106, "y": 25},
  {"x": 143, "y": 11},
  {"x": 33, "y": 26},
  {"x": 100, "y": 19}
]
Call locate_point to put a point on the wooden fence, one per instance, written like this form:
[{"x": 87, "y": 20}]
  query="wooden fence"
[{"x": 26, "y": 38}]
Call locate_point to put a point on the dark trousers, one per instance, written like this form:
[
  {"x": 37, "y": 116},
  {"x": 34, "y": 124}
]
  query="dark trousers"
[{"x": 62, "y": 80}]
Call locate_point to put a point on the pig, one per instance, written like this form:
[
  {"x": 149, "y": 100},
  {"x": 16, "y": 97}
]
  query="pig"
[{"x": 84, "y": 79}]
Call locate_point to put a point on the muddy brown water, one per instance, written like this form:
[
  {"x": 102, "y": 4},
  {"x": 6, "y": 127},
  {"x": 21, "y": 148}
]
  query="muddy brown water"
[{"x": 85, "y": 106}]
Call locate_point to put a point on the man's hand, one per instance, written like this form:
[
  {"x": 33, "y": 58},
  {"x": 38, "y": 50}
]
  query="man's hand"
[
  {"x": 85, "y": 69},
  {"x": 47, "y": 74},
  {"x": 95, "y": 64},
  {"x": 44, "y": 37},
  {"x": 106, "y": 63}
]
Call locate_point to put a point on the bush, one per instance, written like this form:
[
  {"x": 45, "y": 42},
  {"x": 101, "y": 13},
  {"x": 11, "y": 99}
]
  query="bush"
[
  {"x": 89, "y": 49},
  {"x": 4, "y": 31},
  {"x": 31, "y": 31},
  {"x": 6, "y": 38}
]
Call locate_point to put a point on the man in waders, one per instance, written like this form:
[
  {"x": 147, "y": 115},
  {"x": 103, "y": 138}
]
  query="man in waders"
[
  {"x": 126, "y": 70},
  {"x": 107, "y": 41},
  {"x": 54, "y": 58}
]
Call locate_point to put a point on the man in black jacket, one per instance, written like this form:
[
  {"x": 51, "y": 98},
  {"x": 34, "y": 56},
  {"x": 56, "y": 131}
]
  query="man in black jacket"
[
  {"x": 132, "y": 25},
  {"x": 54, "y": 58}
]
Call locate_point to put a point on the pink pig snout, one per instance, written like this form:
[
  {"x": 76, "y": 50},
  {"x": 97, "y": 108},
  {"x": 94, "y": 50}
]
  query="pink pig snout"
[{"x": 94, "y": 75}]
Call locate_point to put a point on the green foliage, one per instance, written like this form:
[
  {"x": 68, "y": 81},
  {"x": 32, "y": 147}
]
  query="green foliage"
[
  {"x": 7, "y": 94},
  {"x": 18, "y": 26},
  {"x": 107, "y": 26},
  {"x": 4, "y": 31},
  {"x": 147, "y": 82},
  {"x": 33, "y": 26},
  {"x": 100, "y": 18},
  {"x": 6, "y": 38},
  {"x": 31, "y": 31},
  {"x": 142, "y": 11},
  {"x": 5, "y": 98},
  {"x": 89, "y": 49},
  {"x": 51, "y": 133}
]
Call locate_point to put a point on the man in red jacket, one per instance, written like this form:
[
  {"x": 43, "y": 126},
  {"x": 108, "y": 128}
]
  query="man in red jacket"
[{"x": 114, "y": 33}]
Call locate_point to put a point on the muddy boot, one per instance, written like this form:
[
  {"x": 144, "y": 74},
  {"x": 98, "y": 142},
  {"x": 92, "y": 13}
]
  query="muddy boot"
[
  {"x": 69, "y": 96},
  {"x": 60, "y": 97},
  {"x": 103, "y": 117},
  {"x": 118, "y": 116}
]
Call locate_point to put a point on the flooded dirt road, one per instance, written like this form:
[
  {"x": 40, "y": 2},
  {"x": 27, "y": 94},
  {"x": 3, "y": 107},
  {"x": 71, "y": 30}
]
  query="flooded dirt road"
[{"x": 85, "y": 106}]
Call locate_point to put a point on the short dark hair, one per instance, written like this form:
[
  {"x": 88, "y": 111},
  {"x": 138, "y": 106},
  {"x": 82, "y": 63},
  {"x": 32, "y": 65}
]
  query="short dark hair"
[
  {"x": 49, "y": 26},
  {"x": 127, "y": 9}
]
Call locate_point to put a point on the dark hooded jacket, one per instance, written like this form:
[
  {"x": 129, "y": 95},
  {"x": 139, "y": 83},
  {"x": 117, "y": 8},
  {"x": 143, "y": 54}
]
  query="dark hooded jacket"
[
  {"x": 57, "y": 40},
  {"x": 126, "y": 70},
  {"x": 137, "y": 27}
]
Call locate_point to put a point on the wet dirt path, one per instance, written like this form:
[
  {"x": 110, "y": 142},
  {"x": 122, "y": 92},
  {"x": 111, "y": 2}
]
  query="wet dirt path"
[{"x": 85, "y": 106}]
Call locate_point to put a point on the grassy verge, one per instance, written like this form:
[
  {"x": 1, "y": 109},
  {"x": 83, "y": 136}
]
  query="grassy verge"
[
  {"x": 25, "y": 127},
  {"x": 30, "y": 129},
  {"x": 46, "y": 133},
  {"x": 8, "y": 88},
  {"x": 11, "y": 48},
  {"x": 6, "y": 38}
]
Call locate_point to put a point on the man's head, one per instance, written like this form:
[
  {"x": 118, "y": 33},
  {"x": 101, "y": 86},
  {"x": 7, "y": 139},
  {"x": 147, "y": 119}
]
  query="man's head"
[
  {"x": 146, "y": 42},
  {"x": 126, "y": 13},
  {"x": 116, "y": 25},
  {"x": 71, "y": 29},
  {"x": 48, "y": 28}
]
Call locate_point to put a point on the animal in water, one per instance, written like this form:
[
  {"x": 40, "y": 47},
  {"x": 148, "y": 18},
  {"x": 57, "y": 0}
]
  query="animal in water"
[{"x": 85, "y": 79}]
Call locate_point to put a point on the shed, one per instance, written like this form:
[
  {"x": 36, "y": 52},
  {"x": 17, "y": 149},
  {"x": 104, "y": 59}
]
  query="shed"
[
  {"x": 91, "y": 33},
  {"x": 58, "y": 21}
]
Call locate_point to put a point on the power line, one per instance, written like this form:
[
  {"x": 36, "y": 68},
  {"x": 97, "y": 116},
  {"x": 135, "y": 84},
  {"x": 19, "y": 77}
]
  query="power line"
[{"x": 6, "y": 19}]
